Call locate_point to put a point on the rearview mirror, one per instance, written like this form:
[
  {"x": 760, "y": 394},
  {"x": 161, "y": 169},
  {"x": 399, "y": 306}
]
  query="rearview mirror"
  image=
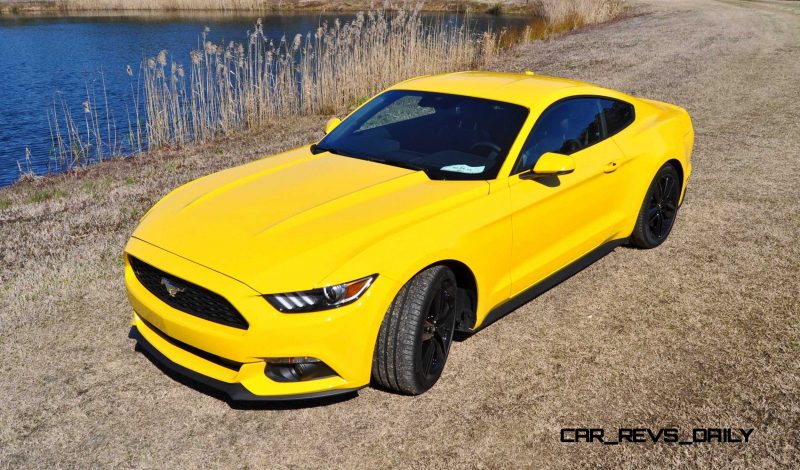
[
  {"x": 553, "y": 164},
  {"x": 331, "y": 124}
]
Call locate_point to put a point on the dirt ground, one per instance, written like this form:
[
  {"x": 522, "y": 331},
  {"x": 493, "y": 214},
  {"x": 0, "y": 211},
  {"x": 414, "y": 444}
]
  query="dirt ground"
[{"x": 701, "y": 332}]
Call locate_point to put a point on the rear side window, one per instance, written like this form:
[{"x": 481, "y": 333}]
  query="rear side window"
[{"x": 618, "y": 115}]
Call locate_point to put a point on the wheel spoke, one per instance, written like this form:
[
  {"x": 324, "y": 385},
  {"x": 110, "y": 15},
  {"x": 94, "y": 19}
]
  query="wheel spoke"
[
  {"x": 443, "y": 331},
  {"x": 442, "y": 305},
  {"x": 444, "y": 315},
  {"x": 669, "y": 209},
  {"x": 439, "y": 351},
  {"x": 429, "y": 351},
  {"x": 653, "y": 221},
  {"x": 652, "y": 213},
  {"x": 669, "y": 186},
  {"x": 659, "y": 225}
]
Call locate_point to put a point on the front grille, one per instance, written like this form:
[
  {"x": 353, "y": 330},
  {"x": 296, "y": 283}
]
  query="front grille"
[{"x": 187, "y": 297}]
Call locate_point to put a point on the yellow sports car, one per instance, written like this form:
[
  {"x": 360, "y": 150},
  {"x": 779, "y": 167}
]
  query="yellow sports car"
[{"x": 433, "y": 209}]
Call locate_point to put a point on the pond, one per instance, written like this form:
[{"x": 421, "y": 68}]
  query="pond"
[{"x": 51, "y": 63}]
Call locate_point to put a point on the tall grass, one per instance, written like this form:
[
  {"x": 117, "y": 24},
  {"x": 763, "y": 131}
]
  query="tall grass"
[
  {"x": 576, "y": 13},
  {"x": 227, "y": 87},
  {"x": 557, "y": 16},
  {"x": 85, "y": 134}
]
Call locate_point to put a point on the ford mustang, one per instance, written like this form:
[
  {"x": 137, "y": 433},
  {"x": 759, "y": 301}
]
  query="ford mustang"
[{"x": 432, "y": 210}]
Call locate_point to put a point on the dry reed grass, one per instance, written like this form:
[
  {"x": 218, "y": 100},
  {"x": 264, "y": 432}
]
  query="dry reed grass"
[
  {"x": 225, "y": 88},
  {"x": 551, "y": 17},
  {"x": 577, "y": 13},
  {"x": 88, "y": 134}
]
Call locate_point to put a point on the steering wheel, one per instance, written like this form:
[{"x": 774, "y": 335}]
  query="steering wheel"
[{"x": 496, "y": 150}]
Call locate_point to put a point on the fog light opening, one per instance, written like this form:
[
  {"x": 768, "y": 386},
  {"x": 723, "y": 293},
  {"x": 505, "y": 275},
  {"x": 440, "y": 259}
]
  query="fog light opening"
[{"x": 296, "y": 369}]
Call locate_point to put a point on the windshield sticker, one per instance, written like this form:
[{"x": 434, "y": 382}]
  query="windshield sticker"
[{"x": 464, "y": 169}]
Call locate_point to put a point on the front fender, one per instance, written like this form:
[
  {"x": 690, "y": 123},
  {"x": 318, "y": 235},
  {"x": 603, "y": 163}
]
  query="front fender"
[{"x": 476, "y": 234}]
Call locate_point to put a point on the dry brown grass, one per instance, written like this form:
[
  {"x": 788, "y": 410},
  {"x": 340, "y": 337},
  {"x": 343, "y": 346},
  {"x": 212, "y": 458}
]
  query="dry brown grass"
[
  {"x": 580, "y": 12},
  {"x": 703, "y": 331}
]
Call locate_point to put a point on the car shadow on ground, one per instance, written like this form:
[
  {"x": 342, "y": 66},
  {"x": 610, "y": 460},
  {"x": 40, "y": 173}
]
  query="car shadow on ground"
[{"x": 246, "y": 405}]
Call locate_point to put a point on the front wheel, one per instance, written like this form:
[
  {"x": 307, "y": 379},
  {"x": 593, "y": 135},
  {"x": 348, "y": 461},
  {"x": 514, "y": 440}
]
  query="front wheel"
[
  {"x": 416, "y": 333},
  {"x": 659, "y": 209}
]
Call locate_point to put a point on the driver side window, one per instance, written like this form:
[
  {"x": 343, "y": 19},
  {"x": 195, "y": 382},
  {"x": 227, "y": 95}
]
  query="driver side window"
[{"x": 566, "y": 127}]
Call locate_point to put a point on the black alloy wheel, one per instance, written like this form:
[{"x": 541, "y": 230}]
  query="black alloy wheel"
[
  {"x": 663, "y": 207},
  {"x": 659, "y": 210}
]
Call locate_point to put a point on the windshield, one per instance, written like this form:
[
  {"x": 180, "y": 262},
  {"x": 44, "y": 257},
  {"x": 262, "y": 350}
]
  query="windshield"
[{"x": 448, "y": 136}]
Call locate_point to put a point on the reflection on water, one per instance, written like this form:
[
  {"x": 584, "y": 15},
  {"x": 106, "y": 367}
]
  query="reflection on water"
[{"x": 47, "y": 60}]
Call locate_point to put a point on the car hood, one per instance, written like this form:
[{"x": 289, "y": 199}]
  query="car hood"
[{"x": 285, "y": 222}]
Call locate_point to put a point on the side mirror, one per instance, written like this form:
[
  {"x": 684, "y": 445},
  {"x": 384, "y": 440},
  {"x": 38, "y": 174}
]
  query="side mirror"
[
  {"x": 553, "y": 164},
  {"x": 331, "y": 124}
]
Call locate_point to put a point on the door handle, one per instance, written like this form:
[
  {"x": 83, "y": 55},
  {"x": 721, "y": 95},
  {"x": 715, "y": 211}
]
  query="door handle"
[{"x": 610, "y": 167}]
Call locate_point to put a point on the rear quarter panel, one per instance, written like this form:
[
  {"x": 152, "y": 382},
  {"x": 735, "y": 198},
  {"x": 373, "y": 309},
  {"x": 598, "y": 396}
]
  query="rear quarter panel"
[{"x": 660, "y": 133}]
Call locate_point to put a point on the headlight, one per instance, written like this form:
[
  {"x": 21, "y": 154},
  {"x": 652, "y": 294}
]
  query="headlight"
[{"x": 321, "y": 299}]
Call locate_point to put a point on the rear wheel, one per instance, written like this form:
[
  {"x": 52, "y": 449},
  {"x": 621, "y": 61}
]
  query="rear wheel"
[
  {"x": 416, "y": 333},
  {"x": 659, "y": 209}
]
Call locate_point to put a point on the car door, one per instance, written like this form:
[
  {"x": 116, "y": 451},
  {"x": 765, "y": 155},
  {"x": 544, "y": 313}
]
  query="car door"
[{"x": 558, "y": 219}]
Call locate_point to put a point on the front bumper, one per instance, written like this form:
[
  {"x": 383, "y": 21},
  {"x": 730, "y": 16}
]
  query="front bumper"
[
  {"x": 233, "y": 360},
  {"x": 234, "y": 391}
]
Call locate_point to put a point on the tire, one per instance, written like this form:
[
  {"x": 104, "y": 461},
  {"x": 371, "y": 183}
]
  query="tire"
[
  {"x": 416, "y": 333},
  {"x": 659, "y": 209}
]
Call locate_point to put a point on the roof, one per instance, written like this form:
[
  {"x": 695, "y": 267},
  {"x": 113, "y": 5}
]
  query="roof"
[{"x": 518, "y": 88}]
